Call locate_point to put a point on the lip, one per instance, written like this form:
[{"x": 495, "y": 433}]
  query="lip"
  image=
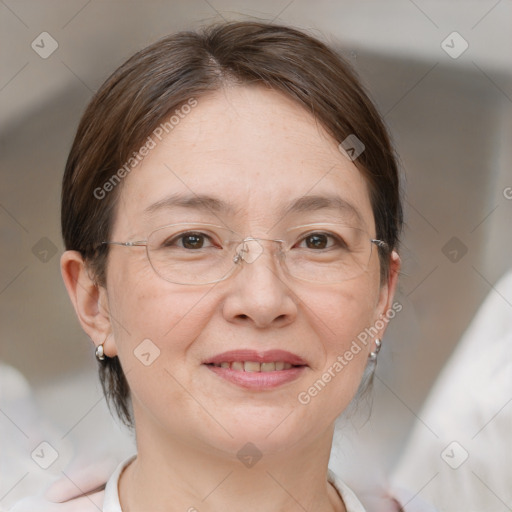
[
  {"x": 257, "y": 381},
  {"x": 258, "y": 357}
]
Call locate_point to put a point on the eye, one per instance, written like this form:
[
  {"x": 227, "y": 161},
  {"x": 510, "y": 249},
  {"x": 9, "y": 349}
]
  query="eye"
[
  {"x": 188, "y": 240},
  {"x": 322, "y": 241}
]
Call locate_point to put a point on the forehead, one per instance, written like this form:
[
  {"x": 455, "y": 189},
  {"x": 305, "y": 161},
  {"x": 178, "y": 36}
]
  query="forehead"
[{"x": 246, "y": 153}]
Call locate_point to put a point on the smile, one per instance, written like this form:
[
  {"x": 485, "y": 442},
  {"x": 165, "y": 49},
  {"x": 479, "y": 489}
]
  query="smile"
[
  {"x": 254, "y": 366},
  {"x": 257, "y": 371}
]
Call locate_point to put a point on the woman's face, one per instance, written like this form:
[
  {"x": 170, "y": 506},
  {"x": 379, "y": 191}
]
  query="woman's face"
[{"x": 255, "y": 152}]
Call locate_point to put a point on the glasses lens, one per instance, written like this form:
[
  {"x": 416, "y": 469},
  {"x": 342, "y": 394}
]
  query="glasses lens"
[
  {"x": 191, "y": 253},
  {"x": 328, "y": 253},
  {"x": 206, "y": 253}
]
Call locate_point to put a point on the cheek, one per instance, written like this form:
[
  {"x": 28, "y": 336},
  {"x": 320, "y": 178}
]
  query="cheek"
[
  {"x": 145, "y": 307},
  {"x": 342, "y": 318},
  {"x": 160, "y": 324},
  {"x": 344, "y": 313}
]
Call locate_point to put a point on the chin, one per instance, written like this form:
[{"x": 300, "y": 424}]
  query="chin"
[{"x": 270, "y": 429}]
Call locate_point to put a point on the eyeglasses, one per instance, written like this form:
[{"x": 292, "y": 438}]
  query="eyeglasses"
[{"x": 198, "y": 254}]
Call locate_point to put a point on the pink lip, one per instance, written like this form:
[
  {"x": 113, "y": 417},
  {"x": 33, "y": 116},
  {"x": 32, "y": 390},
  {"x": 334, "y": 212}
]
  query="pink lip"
[
  {"x": 259, "y": 357},
  {"x": 257, "y": 381}
]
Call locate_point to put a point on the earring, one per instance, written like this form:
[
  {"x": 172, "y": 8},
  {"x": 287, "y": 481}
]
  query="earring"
[
  {"x": 100, "y": 355},
  {"x": 99, "y": 352},
  {"x": 373, "y": 355}
]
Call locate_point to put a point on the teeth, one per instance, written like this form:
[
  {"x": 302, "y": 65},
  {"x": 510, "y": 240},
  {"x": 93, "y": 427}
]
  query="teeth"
[
  {"x": 254, "y": 366},
  {"x": 251, "y": 366}
]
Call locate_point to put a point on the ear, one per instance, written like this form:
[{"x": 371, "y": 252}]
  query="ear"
[
  {"x": 89, "y": 300},
  {"x": 386, "y": 294}
]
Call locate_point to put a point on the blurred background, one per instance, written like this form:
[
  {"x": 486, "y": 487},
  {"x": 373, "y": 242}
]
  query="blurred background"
[{"x": 440, "y": 73}]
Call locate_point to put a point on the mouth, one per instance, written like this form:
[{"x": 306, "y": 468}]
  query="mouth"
[
  {"x": 254, "y": 366},
  {"x": 257, "y": 370}
]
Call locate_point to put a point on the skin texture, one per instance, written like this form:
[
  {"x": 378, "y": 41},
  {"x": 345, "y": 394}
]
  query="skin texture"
[{"x": 257, "y": 150}]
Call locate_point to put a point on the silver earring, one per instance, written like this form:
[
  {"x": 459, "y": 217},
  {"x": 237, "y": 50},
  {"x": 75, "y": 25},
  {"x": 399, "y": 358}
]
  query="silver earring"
[
  {"x": 100, "y": 354},
  {"x": 373, "y": 355}
]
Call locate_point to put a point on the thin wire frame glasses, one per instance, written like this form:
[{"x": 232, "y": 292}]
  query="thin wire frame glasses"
[{"x": 199, "y": 254}]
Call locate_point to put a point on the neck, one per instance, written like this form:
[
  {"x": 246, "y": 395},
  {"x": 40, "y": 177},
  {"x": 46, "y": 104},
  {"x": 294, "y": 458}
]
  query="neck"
[{"x": 183, "y": 475}]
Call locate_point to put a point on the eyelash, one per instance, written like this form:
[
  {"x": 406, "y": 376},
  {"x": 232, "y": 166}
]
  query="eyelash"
[
  {"x": 181, "y": 236},
  {"x": 337, "y": 240},
  {"x": 170, "y": 242}
]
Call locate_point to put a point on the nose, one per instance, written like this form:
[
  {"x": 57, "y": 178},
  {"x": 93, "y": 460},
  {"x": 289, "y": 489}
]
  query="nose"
[{"x": 259, "y": 293}]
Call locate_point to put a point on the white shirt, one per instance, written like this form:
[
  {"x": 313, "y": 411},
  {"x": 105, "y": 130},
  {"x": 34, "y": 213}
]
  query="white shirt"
[
  {"x": 65, "y": 495},
  {"x": 111, "y": 501},
  {"x": 468, "y": 461}
]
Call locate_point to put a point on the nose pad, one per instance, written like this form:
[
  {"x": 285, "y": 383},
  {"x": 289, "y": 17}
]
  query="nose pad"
[{"x": 249, "y": 250}]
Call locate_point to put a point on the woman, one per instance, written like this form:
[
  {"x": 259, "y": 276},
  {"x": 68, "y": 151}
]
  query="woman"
[{"x": 231, "y": 214}]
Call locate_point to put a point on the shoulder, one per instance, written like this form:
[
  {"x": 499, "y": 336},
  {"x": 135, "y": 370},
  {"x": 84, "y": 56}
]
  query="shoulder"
[
  {"x": 352, "y": 503},
  {"x": 378, "y": 499},
  {"x": 89, "y": 490},
  {"x": 111, "y": 501},
  {"x": 83, "y": 503}
]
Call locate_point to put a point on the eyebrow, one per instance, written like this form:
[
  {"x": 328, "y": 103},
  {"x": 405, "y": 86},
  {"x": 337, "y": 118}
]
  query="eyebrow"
[
  {"x": 322, "y": 202},
  {"x": 203, "y": 202},
  {"x": 200, "y": 202}
]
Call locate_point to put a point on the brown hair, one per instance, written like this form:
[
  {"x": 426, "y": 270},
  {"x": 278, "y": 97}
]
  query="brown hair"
[{"x": 163, "y": 77}]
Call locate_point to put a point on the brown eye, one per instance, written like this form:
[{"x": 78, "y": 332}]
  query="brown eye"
[
  {"x": 193, "y": 241},
  {"x": 322, "y": 241},
  {"x": 316, "y": 241},
  {"x": 188, "y": 240}
]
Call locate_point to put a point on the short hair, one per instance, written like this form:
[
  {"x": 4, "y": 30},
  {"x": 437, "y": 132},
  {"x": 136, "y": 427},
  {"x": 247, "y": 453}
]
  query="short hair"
[{"x": 162, "y": 78}]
